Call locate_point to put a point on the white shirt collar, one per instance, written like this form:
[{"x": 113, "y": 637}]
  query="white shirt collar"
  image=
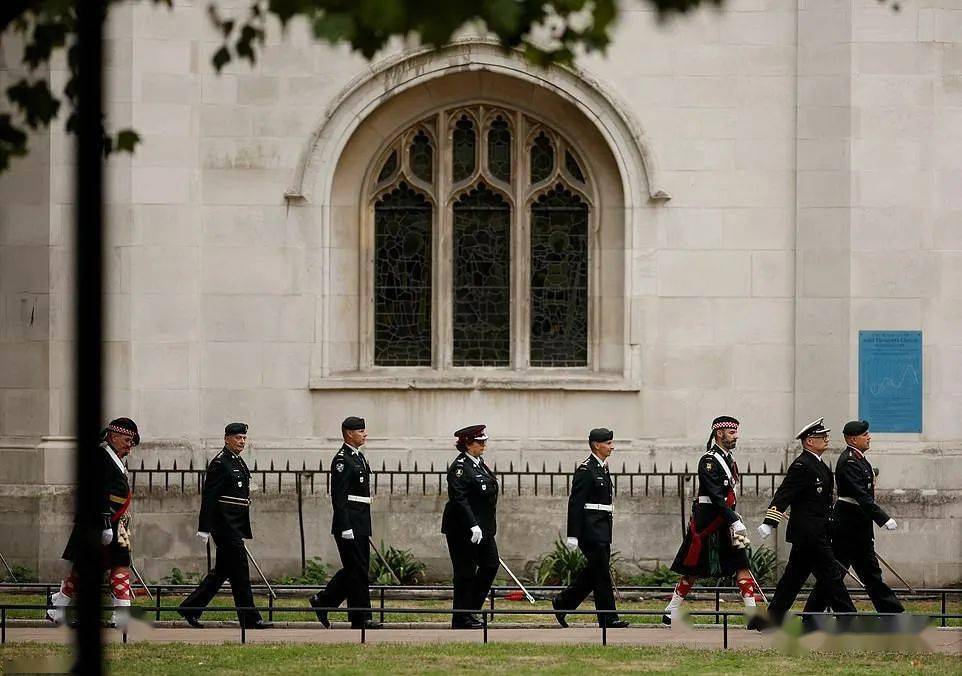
[
  {"x": 817, "y": 456},
  {"x": 477, "y": 460},
  {"x": 603, "y": 463},
  {"x": 113, "y": 456},
  {"x": 354, "y": 450},
  {"x": 721, "y": 451}
]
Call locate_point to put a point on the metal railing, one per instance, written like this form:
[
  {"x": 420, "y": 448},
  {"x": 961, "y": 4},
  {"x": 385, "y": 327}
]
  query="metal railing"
[
  {"x": 542, "y": 592},
  {"x": 724, "y": 614},
  {"x": 431, "y": 480}
]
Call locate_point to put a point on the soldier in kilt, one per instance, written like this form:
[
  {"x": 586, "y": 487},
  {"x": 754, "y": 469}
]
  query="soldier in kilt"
[
  {"x": 112, "y": 519},
  {"x": 716, "y": 544}
]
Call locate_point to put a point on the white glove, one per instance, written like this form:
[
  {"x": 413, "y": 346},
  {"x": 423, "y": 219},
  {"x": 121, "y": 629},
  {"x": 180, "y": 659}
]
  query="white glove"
[
  {"x": 740, "y": 541},
  {"x": 764, "y": 530},
  {"x": 203, "y": 536},
  {"x": 572, "y": 542},
  {"x": 106, "y": 536},
  {"x": 891, "y": 525},
  {"x": 348, "y": 534},
  {"x": 475, "y": 535},
  {"x": 738, "y": 527}
]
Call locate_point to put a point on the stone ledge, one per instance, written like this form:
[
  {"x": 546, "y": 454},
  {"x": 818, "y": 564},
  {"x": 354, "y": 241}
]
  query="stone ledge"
[{"x": 429, "y": 379}]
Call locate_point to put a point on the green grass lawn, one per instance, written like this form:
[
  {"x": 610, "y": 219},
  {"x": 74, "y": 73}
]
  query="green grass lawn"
[
  {"x": 730, "y": 603},
  {"x": 497, "y": 658}
]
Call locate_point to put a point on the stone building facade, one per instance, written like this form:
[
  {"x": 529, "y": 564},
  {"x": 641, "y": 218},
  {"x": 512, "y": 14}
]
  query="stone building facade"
[{"x": 757, "y": 185}]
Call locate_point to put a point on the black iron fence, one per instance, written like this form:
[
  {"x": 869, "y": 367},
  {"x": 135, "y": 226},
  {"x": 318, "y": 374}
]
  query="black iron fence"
[{"x": 430, "y": 480}]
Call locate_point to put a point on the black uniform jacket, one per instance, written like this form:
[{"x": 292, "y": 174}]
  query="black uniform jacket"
[
  {"x": 591, "y": 485},
  {"x": 225, "y": 506},
  {"x": 472, "y": 498},
  {"x": 856, "y": 481},
  {"x": 807, "y": 490},
  {"x": 716, "y": 484},
  {"x": 113, "y": 505},
  {"x": 350, "y": 479}
]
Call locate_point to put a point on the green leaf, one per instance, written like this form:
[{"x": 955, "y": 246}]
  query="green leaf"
[
  {"x": 35, "y": 100},
  {"x": 221, "y": 58},
  {"x": 127, "y": 140}
]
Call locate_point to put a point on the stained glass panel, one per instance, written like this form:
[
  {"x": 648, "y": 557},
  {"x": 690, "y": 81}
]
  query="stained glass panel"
[
  {"x": 542, "y": 158},
  {"x": 571, "y": 164},
  {"x": 559, "y": 280},
  {"x": 390, "y": 166},
  {"x": 422, "y": 157},
  {"x": 463, "y": 153},
  {"x": 499, "y": 149},
  {"x": 402, "y": 279},
  {"x": 482, "y": 279}
]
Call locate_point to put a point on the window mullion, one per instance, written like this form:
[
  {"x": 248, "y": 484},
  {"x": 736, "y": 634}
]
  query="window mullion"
[
  {"x": 521, "y": 268},
  {"x": 443, "y": 280}
]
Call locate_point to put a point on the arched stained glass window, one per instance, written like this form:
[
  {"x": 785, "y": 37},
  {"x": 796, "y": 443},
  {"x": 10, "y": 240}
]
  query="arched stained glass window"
[
  {"x": 473, "y": 268},
  {"x": 402, "y": 281},
  {"x": 482, "y": 279},
  {"x": 559, "y": 279}
]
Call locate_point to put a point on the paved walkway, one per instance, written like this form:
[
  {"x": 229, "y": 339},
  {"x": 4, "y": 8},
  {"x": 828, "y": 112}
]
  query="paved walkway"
[{"x": 709, "y": 638}]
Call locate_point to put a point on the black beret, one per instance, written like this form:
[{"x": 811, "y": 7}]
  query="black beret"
[
  {"x": 235, "y": 428},
  {"x": 854, "y": 428},
  {"x": 724, "y": 422},
  {"x": 472, "y": 433},
  {"x": 600, "y": 434},
  {"x": 353, "y": 423},
  {"x": 124, "y": 426}
]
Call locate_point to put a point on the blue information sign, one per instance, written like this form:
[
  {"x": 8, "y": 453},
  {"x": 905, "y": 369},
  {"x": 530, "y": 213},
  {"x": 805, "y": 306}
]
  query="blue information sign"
[{"x": 890, "y": 380}]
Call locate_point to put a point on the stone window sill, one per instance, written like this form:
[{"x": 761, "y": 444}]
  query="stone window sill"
[{"x": 574, "y": 380}]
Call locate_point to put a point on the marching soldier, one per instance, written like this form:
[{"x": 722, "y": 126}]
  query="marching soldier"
[
  {"x": 589, "y": 529},
  {"x": 807, "y": 490},
  {"x": 225, "y": 515},
  {"x": 351, "y": 528},
  {"x": 470, "y": 524},
  {"x": 716, "y": 543},
  {"x": 853, "y": 539},
  {"x": 113, "y": 522}
]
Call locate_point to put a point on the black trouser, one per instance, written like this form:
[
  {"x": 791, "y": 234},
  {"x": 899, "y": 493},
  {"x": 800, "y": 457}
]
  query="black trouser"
[
  {"x": 350, "y": 582},
  {"x": 594, "y": 577},
  {"x": 806, "y": 558},
  {"x": 231, "y": 565},
  {"x": 860, "y": 555},
  {"x": 475, "y": 567}
]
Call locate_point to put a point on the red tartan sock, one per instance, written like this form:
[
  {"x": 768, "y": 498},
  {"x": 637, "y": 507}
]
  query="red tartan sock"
[
  {"x": 684, "y": 586},
  {"x": 120, "y": 585},
  {"x": 746, "y": 586}
]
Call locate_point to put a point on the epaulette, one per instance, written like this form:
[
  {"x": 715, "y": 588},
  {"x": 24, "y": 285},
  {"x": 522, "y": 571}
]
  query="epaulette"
[
  {"x": 799, "y": 463},
  {"x": 775, "y": 515},
  {"x": 460, "y": 461}
]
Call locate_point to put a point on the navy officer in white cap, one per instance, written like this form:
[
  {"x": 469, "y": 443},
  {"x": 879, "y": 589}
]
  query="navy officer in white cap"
[{"x": 807, "y": 490}]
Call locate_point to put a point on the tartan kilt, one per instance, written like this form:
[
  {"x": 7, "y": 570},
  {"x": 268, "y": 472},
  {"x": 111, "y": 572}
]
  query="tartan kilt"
[
  {"x": 718, "y": 558},
  {"x": 113, "y": 554}
]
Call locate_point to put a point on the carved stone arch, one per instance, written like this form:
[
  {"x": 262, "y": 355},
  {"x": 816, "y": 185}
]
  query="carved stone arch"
[{"x": 335, "y": 175}]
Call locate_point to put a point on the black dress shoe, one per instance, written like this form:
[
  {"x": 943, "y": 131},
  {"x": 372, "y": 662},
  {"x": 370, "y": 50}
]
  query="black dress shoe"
[
  {"x": 559, "y": 615},
  {"x": 758, "y": 623},
  {"x": 261, "y": 624},
  {"x": 369, "y": 624},
  {"x": 617, "y": 624},
  {"x": 321, "y": 614},
  {"x": 467, "y": 624},
  {"x": 192, "y": 620},
  {"x": 666, "y": 619}
]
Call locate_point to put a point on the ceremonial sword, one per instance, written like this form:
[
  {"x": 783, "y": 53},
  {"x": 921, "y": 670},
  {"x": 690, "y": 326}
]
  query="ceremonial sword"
[
  {"x": 894, "y": 572},
  {"x": 270, "y": 589},
  {"x": 14, "y": 577},
  {"x": 516, "y": 580},
  {"x": 143, "y": 584},
  {"x": 850, "y": 573},
  {"x": 397, "y": 580}
]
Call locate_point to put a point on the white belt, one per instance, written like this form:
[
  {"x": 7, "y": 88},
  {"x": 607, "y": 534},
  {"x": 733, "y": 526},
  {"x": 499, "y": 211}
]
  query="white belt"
[
  {"x": 359, "y": 498},
  {"x": 704, "y": 500},
  {"x": 851, "y": 501},
  {"x": 598, "y": 507}
]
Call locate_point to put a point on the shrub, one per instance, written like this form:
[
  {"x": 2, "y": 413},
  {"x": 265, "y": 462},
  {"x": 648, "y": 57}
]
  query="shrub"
[
  {"x": 177, "y": 576},
  {"x": 20, "y": 573},
  {"x": 661, "y": 576},
  {"x": 315, "y": 574},
  {"x": 562, "y": 564},
  {"x": 406, "y": 566}
]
